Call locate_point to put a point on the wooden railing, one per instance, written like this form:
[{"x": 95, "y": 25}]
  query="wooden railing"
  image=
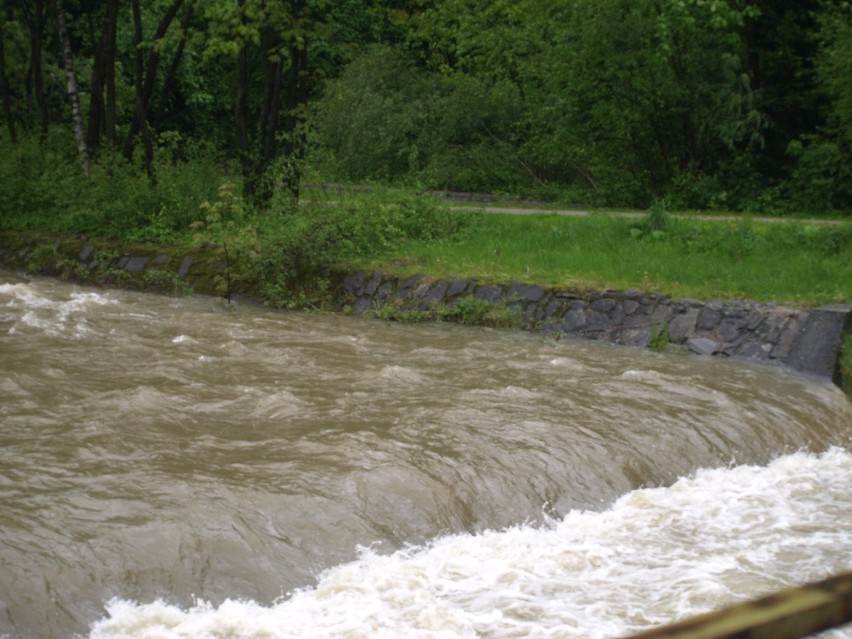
[{"x": 790, "y": 614}]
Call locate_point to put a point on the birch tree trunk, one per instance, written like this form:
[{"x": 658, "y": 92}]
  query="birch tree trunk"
[{"x": 71, "y": 79}]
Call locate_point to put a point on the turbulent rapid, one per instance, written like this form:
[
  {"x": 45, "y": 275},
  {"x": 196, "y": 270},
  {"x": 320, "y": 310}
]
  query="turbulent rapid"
[{"x": 172, "y": 468}]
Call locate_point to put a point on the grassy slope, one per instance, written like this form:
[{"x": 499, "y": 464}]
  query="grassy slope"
[{"x": 796, "y": 262}]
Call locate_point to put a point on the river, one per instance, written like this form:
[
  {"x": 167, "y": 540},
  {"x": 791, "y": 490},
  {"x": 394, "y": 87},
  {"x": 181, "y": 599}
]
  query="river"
[{"x": 170, "y": 468}]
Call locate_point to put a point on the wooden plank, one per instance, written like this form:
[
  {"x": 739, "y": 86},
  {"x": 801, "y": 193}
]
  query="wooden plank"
[{"x": 790, "y": 614}]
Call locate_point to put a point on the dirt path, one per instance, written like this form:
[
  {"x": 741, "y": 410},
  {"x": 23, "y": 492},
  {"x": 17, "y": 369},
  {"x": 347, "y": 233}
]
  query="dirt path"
[{"x": 508, "y": 210}]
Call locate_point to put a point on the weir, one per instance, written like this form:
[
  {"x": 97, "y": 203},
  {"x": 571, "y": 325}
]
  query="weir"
[{"x": 173, "y": 468}]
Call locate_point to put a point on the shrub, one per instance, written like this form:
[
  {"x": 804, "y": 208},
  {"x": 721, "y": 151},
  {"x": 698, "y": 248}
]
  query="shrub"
[{"x": 299, "y": 248}]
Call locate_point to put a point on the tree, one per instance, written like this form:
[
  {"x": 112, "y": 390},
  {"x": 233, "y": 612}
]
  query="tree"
[
  {"x": 4, "y": 84},
  {"x": 102, "y": 116},
  {"x": 71, "y": 86},
  {"x": 276, "y": 35},
  {"x": 144, "y": 78}
]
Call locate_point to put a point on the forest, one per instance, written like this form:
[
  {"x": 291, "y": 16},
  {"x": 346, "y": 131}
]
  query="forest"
[{"x": 739, "y": 105}]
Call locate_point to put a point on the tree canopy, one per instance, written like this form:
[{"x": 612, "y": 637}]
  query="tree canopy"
[{"x": 737, "y": 104}]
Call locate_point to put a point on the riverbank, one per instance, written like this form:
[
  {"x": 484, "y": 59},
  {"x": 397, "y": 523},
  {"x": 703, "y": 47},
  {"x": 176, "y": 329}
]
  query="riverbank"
[{"x": 806, "y": 340}]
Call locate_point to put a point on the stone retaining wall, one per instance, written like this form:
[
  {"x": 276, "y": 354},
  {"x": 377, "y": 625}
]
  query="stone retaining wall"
[{"x": 806, "y": 340}]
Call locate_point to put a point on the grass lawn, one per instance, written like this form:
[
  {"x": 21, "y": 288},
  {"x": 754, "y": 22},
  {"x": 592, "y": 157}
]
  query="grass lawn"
[{"x": 797, "y": 262}]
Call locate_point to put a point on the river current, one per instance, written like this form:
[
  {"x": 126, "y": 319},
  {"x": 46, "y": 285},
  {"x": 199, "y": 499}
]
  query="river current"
[{"x": 171, "y": 468}]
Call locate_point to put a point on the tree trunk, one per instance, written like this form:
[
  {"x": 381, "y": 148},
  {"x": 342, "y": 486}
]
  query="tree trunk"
[
  {"x": 103, "y": 67},
  {"x": 297, "y": 98},
  {"x": 34, "y": 13},
  {"x": 267, "y": 124},
  {"x": 171, "y": 72},
  {"x": 4, "y": 90},
  {"x": 141, "y": 116},
  {"x": 147, "y": 78},
  {"x": 240, "y": 115},
  {"x": 71, "y": 80}
]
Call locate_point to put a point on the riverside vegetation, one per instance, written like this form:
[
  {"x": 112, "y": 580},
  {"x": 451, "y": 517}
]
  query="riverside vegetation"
[
  {"x": 284, "y": 250},
  {"x": 284, "y": 256}
]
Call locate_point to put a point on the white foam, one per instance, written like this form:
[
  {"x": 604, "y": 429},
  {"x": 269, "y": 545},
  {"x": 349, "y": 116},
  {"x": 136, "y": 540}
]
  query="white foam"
[
  {"x": 400, "y": 374},
  {"x": 55, "y": 317},
  {"x": 655, "y": 556}
]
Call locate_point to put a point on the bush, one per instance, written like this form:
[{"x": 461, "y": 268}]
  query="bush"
[
  {"x": 43, "y": 187},
  {"x": 299, "y": 248},
  {"x": 386, "y": 120},
  {"x": 822, "y": 178}
]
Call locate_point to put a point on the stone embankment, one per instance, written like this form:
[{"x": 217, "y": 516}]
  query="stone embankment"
[{"x": 805, "y": 340}]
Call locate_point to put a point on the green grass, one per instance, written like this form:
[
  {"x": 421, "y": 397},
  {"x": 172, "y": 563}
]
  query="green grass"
[{"x": 794, "y": 262}]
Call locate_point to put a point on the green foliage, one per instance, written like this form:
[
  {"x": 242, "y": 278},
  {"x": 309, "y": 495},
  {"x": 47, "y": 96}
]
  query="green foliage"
[
  {"x": 821, "y": 179},
  {"x": 42, "y": 186},
  {"x": 834, "y": 65},
  {"x": 47, "y": 260},
  {"x": 473, "y": 311},
  {"x": 707, "y": 103},
  {"x": 385, "y": 119},
  {"x": 396, "y": 312},
  {"x": 655, "y": 225},
  {"x": 227, "y": 227},
  {"x": 300, "y": 247},
  {"x": 466, "y": 310},
  {"x": 660, "y": 338}
]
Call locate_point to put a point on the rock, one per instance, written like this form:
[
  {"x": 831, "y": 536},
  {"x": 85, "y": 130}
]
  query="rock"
[
  {"x": 603, "y": 304},
  {"x": 755, "y": 352},
  {"x": 384, "y": 290},
  {"x": 457, "y": 287},
  {"x": 362, "y": 305},
  {"x": 553, "y": 309},
  {"x": 784, "y": 345},
  {"x": 136, "y": 264},
  {"x": 630, "y": 306},
  {"x": 636, "y": 337},
  {"x": 574, "y": 321},
  {"x": 525, "y": 292},
  {"x": 577, "y": 305},
  {"x": 681, "y": 326},
  {"x": 708, "y": 319},
  {"x": 373, "y": 284},
  {"x": 185, "y": 263},
  {"x": 436, "y": 293},
  {"x": 408, "y": 284},
  {"x": 702, "y": 345},
  {"x": 729, "y": 329},
  {"x": 817, "y": 344},
  {"x": 491, "y": 294},
  {"x": 596, "y": 321}
]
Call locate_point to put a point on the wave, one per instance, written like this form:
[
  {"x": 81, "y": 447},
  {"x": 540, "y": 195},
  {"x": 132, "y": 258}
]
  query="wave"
[{"x": 655, "y": 556}]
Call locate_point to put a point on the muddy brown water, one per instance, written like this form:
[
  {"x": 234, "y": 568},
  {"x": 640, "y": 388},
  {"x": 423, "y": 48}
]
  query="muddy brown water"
[{"x": 155, "y": 449}]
